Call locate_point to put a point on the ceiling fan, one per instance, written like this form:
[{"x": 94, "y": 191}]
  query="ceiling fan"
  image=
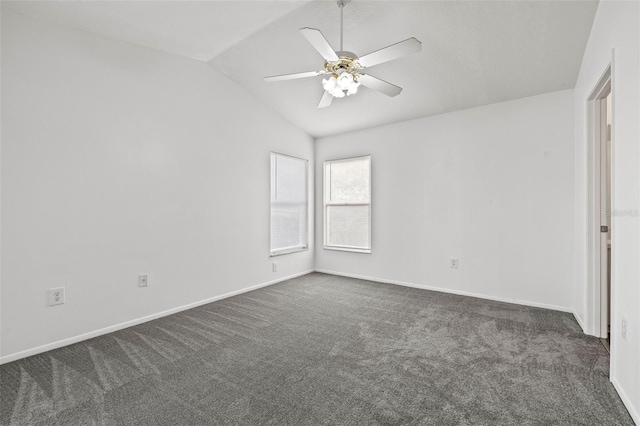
[{"x": 345, "y": 69}]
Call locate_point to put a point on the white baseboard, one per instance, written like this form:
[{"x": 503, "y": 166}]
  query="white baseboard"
[
  {"x": 580, "y": 322},
  {"x": 65, "y": 342},
  {"x": 447, "y": 290},
  {"x": 633, "y": 411}
]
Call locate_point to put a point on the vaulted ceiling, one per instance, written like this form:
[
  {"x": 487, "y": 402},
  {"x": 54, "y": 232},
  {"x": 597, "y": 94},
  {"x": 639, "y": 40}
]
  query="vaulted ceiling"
[{"x": 473, "y": 52}]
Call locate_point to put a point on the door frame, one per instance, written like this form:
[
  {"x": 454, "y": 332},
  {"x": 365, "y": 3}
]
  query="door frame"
[{"x": 597, "y": 296}]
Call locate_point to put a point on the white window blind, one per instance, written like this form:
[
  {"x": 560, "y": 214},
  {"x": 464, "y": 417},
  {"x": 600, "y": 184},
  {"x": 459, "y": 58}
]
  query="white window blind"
[
  {"x": 347, "y": 204},
  {"x": 288, "y": 204}
]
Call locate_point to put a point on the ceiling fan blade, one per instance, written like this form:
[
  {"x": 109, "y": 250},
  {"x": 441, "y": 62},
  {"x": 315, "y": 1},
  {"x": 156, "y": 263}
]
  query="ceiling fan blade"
[
  {"x": 379, "y": 85},
  {"x": 320, "y": 43},
  {"x": 389, "y": 53},
  {"x": 326, "y": 100},
  {"x": 294, "y": 76}
]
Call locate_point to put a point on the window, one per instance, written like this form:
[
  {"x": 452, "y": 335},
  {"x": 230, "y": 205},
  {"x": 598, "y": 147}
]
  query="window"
[
  {"x": 347, "y": 204},
  {"x": 289, "y": 206}
]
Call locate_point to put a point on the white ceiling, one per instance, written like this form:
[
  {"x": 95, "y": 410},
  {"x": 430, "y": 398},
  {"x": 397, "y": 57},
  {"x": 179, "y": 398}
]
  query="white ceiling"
[
  {"x": 474, "y": 52},
  {"x": 195, "y": 29}
]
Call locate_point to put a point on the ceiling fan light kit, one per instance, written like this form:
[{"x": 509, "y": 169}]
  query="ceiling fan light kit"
[
  {"x": 345, "y": 69},
  {"x": 339, "y": 85}
]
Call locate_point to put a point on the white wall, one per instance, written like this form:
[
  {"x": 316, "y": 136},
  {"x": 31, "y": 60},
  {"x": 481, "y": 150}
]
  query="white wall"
[
  {"x": 616, "y": 26},
  {"x": 119, "y": 160},
  {"x": 492, "y": 186}
]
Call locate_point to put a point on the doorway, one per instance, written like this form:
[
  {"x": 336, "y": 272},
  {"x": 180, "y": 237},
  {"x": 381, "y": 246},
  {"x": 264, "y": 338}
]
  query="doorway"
[
  {"x": 602, "y": 148},
  {"x": 605, "y": 281}
]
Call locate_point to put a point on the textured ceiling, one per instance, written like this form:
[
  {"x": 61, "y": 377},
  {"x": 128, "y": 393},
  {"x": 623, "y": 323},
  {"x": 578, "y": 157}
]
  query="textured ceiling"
[
  {"x": 473, "y": 53},
  {"x": 195, "y": 29}
]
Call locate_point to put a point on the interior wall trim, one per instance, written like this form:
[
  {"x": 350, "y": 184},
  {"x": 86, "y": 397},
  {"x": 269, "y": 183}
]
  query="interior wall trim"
[
  {"x": 79, "y": 338},
  {"x": 626, "y": 401},
  {"x": 580, "y": 322},
  {"x": 447, "y": 290}
]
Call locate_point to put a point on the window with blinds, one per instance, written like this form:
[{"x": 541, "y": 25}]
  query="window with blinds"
[
  {"x": 347, "y": 204},
  {"x": 289, "y": 204}
]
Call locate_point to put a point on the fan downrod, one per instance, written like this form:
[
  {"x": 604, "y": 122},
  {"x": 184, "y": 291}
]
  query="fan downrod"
[{"x": 341, "y": 5}]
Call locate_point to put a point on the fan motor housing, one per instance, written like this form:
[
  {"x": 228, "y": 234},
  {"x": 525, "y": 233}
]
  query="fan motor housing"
[{"x": 348, "y": 62}]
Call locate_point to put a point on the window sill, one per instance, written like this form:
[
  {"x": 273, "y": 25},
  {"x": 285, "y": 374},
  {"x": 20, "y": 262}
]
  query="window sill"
[
  {"x": 353, "y": 250},
  {"x": 288, "y": 250}
]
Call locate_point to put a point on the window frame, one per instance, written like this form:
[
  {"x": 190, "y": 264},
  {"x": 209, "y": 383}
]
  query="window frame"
[
  {"x": 326, "y": 204},
  {"x": 294, "y": 249}
]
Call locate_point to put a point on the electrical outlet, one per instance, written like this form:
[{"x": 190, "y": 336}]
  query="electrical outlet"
[
  {"x": 623, "y": 328},
  {"x": 143, "y": 280},
  {"x": 274, "y": 266},
  {"x": 56, "y": 296},
  {"x": 453, "y": 263}
]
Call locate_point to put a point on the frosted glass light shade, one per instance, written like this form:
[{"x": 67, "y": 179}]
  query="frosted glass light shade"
[
  {"x": 329, "y": 84},
  {"x": 345, "y": 80},
  {"x": 341, "y": 86}
]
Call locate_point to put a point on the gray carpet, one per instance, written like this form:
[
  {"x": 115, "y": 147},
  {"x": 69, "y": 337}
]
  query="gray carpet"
[{"x": 321, "y": 349}]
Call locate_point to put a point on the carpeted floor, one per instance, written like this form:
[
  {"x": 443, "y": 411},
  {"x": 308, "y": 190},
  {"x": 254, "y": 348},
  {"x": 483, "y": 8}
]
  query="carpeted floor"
[{"x": 321, "y": 349}]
